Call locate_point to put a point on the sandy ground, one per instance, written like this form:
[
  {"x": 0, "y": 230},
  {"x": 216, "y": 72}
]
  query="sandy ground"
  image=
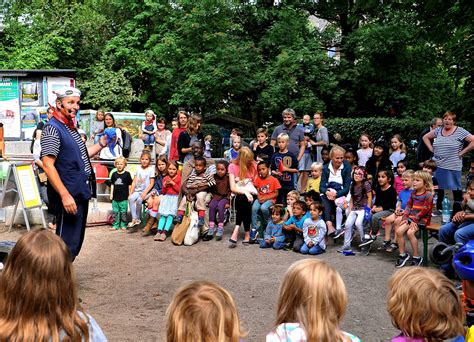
[{"x": 126, "y": 283}]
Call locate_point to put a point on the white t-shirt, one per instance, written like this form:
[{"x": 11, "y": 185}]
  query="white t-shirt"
[
  {"x": 142, "y": 177},
  {"x": 364, "y": 155}
]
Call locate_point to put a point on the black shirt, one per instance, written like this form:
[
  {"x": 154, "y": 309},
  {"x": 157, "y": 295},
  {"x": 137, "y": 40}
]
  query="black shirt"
[
  {"x": 268, "y": 150},
  {"x": 121, "y": 183}
]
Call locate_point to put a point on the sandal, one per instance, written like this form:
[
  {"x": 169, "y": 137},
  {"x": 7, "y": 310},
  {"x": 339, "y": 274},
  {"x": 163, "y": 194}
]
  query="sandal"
[{"x": 245, "y": 242}]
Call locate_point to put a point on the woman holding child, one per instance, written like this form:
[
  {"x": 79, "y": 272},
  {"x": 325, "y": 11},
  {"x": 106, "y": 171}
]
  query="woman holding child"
[
  {"x": 241, "y": 173},
  {"x": 335, "y": 185}
]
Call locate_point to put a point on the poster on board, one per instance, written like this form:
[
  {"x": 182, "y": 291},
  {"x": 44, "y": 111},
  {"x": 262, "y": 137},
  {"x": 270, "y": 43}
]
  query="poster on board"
[
  {"x": 56, "y": 83},
  {"x": 10, "y": 106},
  {"x": 30, "y": 93}
]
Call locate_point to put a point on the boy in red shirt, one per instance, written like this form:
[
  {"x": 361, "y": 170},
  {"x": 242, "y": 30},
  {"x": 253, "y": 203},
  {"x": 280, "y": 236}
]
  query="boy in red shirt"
[{"x": 267, "y": 187}]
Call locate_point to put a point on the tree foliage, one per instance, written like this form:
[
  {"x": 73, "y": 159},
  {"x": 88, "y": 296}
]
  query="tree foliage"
[{"x": 251, "y": 59}]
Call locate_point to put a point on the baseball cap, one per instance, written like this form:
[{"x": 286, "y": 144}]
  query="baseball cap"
[{"x": 67, "y": 91}]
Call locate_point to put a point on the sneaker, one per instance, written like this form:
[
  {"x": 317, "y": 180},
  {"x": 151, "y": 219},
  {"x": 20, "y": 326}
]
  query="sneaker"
[
  {"x": 253, "y": 235},
  {"x": 344, "y": 248},
  {"x": 209, "y": 236},
  {"x": 393, "y": 247},
  {"x": 338, "y": 233},
  {"x": 179, "y": 219},
  {"x": 219, "y": 233},
  {"x": 416, "y": 261},
  {"x": 402, "y": 260},
  {"x": 200, "y": 222},
  {"x": 436, "y": 212},
  {"x": 386, "y": 244},
  {"x": 367, "y": 240}
]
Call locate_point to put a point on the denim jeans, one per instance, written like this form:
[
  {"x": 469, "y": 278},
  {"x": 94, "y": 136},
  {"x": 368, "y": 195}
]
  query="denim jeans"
[
  {"x": 452, "y": 232},
  {"x": 265, "y": 208},
  {"x": 275, "y": 245},
  {"x": 311, "y": 250},
  {"x": 149, "y": 139}
]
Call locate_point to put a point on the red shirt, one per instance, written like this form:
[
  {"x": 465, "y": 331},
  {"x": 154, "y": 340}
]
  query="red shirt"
[
  {"x": 174, "y": 143},
  {"x": 267, "y": 186},
  {"x": 171, "y": 189}
]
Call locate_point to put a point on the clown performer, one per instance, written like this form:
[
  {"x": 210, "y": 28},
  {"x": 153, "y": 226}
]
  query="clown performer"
[{"x": 71, "y": 180}]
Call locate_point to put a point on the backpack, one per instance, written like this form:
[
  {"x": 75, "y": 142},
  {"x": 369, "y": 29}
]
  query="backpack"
[{"x": 126, "y": 143}]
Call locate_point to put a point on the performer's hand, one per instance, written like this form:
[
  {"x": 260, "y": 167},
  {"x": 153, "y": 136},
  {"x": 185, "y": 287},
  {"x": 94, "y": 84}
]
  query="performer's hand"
[
  {"x": 103, "y": 140},
  {"x": 69, "y": 204}
]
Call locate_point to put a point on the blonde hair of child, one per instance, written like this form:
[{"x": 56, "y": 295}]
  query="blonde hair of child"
[
  {"x": 408, "y": 174},
  {"x": 203, "y": 311},
  {"x": 244, "y": 160},
  {"x": 403, "y": 147},
  {"x": 208, "y": 137},
  {"x": 293, "y": 193},
  {"x": 423, "y": 303},
  {"x": 283, "y": 136},
  {"x": 38, "y": 292},
  {"x": 317, "y": 166},
  {"x": 426, "y": 178},
  {"x": 120, "y": 159},
  {"x": 371, "y": 143},
  {"x": 313, "y": 294}
]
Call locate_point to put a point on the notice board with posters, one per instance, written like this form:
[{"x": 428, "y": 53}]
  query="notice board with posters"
[{"x": 10, "y": 106}]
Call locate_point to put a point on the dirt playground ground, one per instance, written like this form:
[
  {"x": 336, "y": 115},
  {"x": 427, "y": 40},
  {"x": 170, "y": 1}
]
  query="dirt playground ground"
[{"x": 126, "y": 283}]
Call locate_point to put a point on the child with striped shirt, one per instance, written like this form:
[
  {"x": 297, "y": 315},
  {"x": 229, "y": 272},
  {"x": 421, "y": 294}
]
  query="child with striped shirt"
[{"x": 417, "y": 211}]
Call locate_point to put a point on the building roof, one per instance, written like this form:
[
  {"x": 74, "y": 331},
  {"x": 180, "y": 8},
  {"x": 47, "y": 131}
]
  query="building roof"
[{"x": 37, "y": 72}]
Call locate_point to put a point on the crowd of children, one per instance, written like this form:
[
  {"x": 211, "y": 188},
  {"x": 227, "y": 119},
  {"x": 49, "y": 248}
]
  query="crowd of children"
[{"x": 359, "y": 189}]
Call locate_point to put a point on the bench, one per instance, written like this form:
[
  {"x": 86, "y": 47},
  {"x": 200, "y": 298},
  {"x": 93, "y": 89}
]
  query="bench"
[{"x": 427, "y": 232}]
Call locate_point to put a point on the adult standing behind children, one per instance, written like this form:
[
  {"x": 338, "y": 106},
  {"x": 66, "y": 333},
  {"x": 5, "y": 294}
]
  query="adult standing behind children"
[
  {"x": 66, "y": 162},
  {"x": 320, "y": 137},
  {"x": 448, "y": 152},
  {"x": 182, "y": 122},
  {"x": 107, "y": 153},
  {"x": 422, "y": 152},
  {"x": 188, "y": 136},
  {"x": 296, "y": 143},
  {"x": 335, "y": 185}
]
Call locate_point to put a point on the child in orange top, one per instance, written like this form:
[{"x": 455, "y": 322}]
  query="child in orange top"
[
  {"x": 417, "y": 211},
  {"x": 267, "y": 187}
]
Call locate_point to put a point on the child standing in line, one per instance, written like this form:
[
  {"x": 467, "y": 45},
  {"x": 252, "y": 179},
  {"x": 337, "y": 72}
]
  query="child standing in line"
[
  {"x": 396, "y": 217},
  {"x": 425, "y": 306},
  {"x": 98, "y": 126},
  {"x": 121, "y": 182},
  {"x": 311, "y": 304},
  {"x": 262, "y": 147},
  {"x": 365, "y": 150},
  {"x": 293, "y": 227},
  {"x": 274, "y": 236},
  {"x": 314, "y": 231},
  {"x": 267, "y": 187},
  {"x": 361, "y": 196},
  {"x": 385, "y": 201},
  {"x": 169, "y": 201},
  {"x": 291, "y": 199},
  {"x": 196, "y": 189},
  {"x": 315, "y": 180},
  {"x": 397, "y": 182},
  {"x": 166, "y": 149},
  {"x": 233, "y": 152},
  {"x": 398, "y": 150},
  {"x": 220, "y": 201},
  {"x": 203, "y": 311},
  {"x": 284, "y": 166},
  {"x": 207, "y": 146},
  {"x": 149, "y": 129},
  {"x": 417, "y": 211},
  {"x": 142, "y": 183},
  {"x": 153, "y": 202}
]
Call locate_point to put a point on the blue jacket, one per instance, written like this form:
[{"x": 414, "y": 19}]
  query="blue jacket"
[{"x": 346, "y": 179}]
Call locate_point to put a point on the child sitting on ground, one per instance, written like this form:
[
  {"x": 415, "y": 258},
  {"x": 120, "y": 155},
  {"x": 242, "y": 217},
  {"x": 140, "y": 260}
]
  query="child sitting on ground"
[
  {"x": 203, "y": 311},
  {"x": 267, "y": 187},
  {"x": 315, "y": 180},
  {"x": 385, "y": 201},
  {"x": 291, "y": 199},
  {"x": 417, "y": 211},
  {"x": 273, "y": 236},
  {"x": 153, "y": 202},
  {"x": 149, "y": 129},
  {"x": 169, "y": 201},
  {"x": 396, "y": 217},
  {"x": 361, "y": 196},
  {"x": 220, "y": 201},
  {"x": 284, "y": 166},
  {"x": 196, "y": 189},
  {"x": 314, "y": 231},
  {"x": 293, "y": 227},
  {"x": 311, "y": 304},
  {"x": 121, "y": 182},
  {"x": 425, "y": 306}
]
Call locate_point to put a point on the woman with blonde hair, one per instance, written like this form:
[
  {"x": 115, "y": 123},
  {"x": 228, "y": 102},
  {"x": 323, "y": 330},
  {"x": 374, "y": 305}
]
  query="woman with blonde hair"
[
  {"x": 203, "y": 311},
  {"x": 38, "y": 294},
  {"x": 425, "y": 306},
  {"x": 311, "y": 304},
  {"x": 242, "y": 171}
]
